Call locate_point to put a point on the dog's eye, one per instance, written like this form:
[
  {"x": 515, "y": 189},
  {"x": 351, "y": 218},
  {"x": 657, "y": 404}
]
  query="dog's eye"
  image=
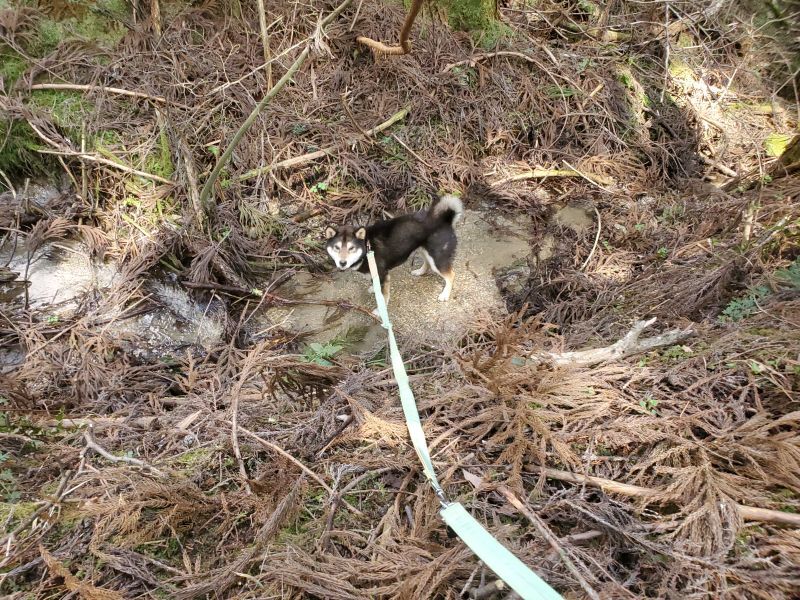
[
  {"x": 350, "y": 246},
  {"x": 337, "y": 247}
]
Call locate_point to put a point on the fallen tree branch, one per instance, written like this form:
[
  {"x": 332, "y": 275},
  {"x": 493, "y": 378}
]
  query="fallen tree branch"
[
  {"x": 471, "y": 62},
  {"x": 291, "y": 458},
  {"x": 305, "y": 158},
  {"x": 544, "y": 173},
  {"x": 224, "y": 159},
  {"x": 629, "y": 345},
  {"x": 405, "y": 45},
  {"x": 59, "y": 151},
  {"x": 91, "y": 443},
  {"x": 96, "y": 88},
  {"x": 232, "y": 289},
  {"x": 748, "y": 513},
  {"x": 551, "y": 539}
]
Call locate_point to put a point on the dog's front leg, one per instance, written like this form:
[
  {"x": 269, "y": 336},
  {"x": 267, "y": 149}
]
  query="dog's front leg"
[{"x": 368, "y": 275}]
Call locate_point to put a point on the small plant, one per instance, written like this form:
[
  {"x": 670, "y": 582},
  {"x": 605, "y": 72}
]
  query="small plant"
[
  {"x": 756, "y": 368},
  {"x": 672, "y": 214},
  {"x": 790, "y": 275},
  {"x": 320, "y": 354},
  {"x": 662, "y": 253},
  {"x": 555, "y": 91},
  {"x": 649, "y": 404},
  {"x": 740, "y": 308},
  {"x": 319, "y": 188},
  {"x": 677, "y": 352}
]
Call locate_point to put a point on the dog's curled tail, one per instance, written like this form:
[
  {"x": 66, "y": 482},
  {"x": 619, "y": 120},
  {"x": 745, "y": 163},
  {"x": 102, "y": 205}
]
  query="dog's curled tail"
[{"x": 448, "y": 208}]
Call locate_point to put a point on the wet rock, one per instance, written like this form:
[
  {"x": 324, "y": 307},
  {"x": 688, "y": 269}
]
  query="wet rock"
[
  {"x": 57, "y": 275},
  {"x": 177, "y": 322}
]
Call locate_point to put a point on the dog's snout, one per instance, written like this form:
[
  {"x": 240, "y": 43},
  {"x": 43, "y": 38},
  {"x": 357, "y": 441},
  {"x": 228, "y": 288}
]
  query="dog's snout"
[{"x": 342, "y": 263}]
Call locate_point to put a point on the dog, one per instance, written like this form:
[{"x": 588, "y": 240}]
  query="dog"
[{"x": 431, "y": 231}]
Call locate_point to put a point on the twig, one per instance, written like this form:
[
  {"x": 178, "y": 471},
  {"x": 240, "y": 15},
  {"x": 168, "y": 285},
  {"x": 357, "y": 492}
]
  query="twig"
[
  {"x": 97, "y": 88},
  {"x": 471, "y": 62},
  {"x": 414, "y": 154},
  {"x": 232, "y": 289},
  {"x": 596, "y": 240},
  {"x": 593, "y": 179},
  {"x": 58, "y": 496},
  {"x": 748, "y": 513},
  {"x": 551, "y": 539},
  {"x": 629, "y": 345},
  {"x": 262, "y": 22},
  {"x": 228, "y": 84},
  {"x": 719, "y": 167},
  {"x": 205, "y": 194},
  {"x": 291, "y": 458},
  {"x": 544, "y": 173},
  {"x": 91, "y": 443},
  {"x": 304, "y": 158},
  {"x": 91, "y": 157},
  {"x": 347, "y": 110}
]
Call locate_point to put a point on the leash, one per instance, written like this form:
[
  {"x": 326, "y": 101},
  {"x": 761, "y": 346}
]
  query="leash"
[{"x": 494, "y": 555}]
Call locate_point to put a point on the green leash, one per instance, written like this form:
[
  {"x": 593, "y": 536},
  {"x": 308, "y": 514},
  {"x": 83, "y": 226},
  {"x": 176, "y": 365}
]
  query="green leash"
[{"x": 493, "y": 554}]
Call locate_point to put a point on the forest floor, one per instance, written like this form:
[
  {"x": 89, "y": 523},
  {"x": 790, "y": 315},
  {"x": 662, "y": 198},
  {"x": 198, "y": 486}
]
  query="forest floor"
[{"x": 192, "y": 404}]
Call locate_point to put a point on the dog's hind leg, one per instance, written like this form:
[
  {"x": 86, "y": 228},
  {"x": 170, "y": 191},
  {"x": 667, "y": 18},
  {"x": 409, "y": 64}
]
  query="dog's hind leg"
[
  {"x": 426, "y": 260},
  {"x": 440, "y": 261},
  {"x": 448, "y": 277}
]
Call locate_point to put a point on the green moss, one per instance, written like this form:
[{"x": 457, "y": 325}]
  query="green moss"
[
  {"x": 160, "y": 161},
  {"x": 470, "y": 15},
  {"x": 12, "y": 66},
  {"x": 15, "y": 512},
  {"x": 197, "y": 458},
  {"x": 68, "y": 110},
  {"x": 18, "y": 155},
  {"x": 490, "y": 36}
]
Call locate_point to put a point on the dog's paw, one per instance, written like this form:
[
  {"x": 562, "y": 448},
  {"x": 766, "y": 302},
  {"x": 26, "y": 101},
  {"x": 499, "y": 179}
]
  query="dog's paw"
[
  {"x": 443, "y": 297},
  {"x": 419, "y": 272}
]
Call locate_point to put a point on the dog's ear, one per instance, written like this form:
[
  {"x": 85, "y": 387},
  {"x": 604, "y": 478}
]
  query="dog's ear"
[
  {"x": 329, "y": 232},
  {"x": 361, "y": 233}
]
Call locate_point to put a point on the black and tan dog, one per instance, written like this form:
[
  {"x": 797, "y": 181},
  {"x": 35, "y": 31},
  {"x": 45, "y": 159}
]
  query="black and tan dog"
[{"x": 394, "y": 240}]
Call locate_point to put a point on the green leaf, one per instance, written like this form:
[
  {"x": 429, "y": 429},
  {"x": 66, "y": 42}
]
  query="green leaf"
[{"x": 776, "y": 143}]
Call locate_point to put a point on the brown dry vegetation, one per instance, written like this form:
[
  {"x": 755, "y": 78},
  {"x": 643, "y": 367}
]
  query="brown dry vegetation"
[{"x": 186, "y": 505}]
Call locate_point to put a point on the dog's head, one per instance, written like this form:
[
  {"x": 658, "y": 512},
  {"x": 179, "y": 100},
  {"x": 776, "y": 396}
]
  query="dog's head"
[{"x": 346, "y": 245}]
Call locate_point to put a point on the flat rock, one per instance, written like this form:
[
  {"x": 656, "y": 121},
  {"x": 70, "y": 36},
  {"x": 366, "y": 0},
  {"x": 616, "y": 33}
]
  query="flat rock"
[{"x": 486, "y": 242}]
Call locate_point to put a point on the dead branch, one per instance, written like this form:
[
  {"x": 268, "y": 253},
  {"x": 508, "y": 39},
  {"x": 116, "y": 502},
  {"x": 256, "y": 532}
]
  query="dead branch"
[
  {"x": 306, "y": 158},
  {"x": 551, "y": 539},
  {"x": 205, "y": 194},
  {"x": 88, "y": 435},
  {"x": 262, "y": 23},
  {"x": 545, "y": 173},
  {"x": 59, "y": 151},
  {"x": 405, "y": 45},
  {"x": 232, "y": 289},
  {"x": 629, "y": 345},
  {"x": 291, "y": 458},
  {"x": 97, "y": 88},
  {"x": 748, "y": 513},
  {"x": 471, "y": 62}
]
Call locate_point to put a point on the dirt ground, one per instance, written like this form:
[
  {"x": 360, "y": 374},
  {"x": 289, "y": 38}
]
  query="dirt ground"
[{"x": 194, "y": 404}]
